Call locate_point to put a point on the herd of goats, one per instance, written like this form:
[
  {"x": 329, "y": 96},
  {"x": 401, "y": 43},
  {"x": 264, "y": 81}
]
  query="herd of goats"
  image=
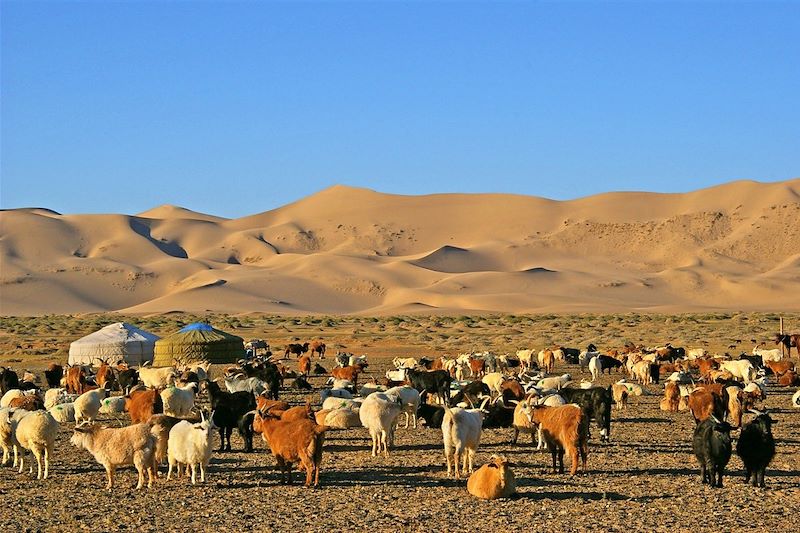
[{"x": 460, "y": 395}]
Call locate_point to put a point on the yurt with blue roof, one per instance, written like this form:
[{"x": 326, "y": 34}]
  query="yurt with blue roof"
[{"x": 198, "y": 342}]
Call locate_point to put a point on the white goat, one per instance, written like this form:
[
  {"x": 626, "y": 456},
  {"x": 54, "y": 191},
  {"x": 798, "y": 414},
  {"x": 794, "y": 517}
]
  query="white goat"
[
  {"x": 461, "y": 432},
  {"x": 410, "y": 398},
  {"x": 158, "y": 378},
  {"x": 378, "y": 414},
  {"x": 191, "y": 444}
]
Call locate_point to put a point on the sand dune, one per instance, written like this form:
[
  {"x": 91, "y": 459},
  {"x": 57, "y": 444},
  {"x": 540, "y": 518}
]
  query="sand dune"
[{"x": 348, "y": 250}]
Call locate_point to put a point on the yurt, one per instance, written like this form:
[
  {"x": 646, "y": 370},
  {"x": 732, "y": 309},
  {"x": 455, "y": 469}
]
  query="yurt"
[
  {"x": 198, "y": 342},
  {"x": 112, "y": 343}
]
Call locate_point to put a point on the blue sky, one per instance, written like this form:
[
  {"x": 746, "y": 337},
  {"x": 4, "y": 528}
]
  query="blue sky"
[{"x": 235, "y": 108}]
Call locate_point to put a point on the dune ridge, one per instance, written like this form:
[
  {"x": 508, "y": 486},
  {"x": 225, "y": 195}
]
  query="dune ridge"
[{"x": 350, "y": 250}]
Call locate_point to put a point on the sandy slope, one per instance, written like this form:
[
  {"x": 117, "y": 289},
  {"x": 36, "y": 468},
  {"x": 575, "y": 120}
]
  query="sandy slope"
[{"x": 346, "y": 250}]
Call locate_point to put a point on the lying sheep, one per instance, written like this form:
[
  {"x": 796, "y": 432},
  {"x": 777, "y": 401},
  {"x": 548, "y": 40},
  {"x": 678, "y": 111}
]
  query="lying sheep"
[
  {"x": 37, "y": 433},
  {"x": 13, "y": 394},
  {"x": 63, "y": 412},
  {"x": 556, "y": 383},
  {"x": 493, "y": 480},
  {"x": 56, "y": 396},
  {"x": 340, "y": 403},
  {"x": 190, "y": 444},
  {"x": 369, "y": 388},
  {"x": 113, "y": 405},
  {"x": 324, "y": 394},
  {"x": 340, "y": 419},
  {"x": 112, "y": 447},
  {"x": 179, "y": 401}
]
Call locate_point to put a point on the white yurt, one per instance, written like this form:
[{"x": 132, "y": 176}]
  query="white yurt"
[{"x": 112, "y": 343}]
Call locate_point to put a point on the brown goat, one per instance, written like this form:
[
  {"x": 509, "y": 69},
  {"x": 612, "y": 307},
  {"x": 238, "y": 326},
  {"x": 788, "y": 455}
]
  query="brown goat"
[
  {"x": 293, "y": 441},
  {"x": 548, "y": 361},
  {"x": 349, "y": 373},
  {"x": 707, "y": 400},
  {"x": 619, "y": 393},
  {"x": 477, "y": 367},
  {"x": 304, "y": 364},
  {"x": 565, "y": 429},
  {"x": 789, "y": 379},
  {"x": 141, "y": 404},
  {"x": 779, "y": 367},
  {"x": 75, "y": 380},
  {"x": 672, "y": 397},
  {"x": 105, "y": 374}
]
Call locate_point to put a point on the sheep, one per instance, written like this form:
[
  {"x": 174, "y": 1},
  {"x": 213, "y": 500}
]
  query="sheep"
[
  {"x": 461, "y": 433},
  {"x": 369, "y": 388},
  {"x": 410, "y": 398},
  {"x": 63, "y": 412},
  {"x": 324, "y": 394},
  {"x": 712, "y": 448},
  {"x": 113, "y": 405},
  {"x": 88, "y": 404},
  {"x": 340, "y": 418},
  {"x": 756, "y": 447},
  {"x": 37, "y": 433},
  {"x": 634, "y": 389},
  {"x": 158, "y": 378},
  {"x": 565, "y": 430},
  {"x": 341, "y": 403},
  {"x": 378, "y": 414},
  {"x": 346, "y": 384},
  {"x": 407, "y": 362},
  {"x": 112, "y": 447},
  {"x": 179, "y": 401},
  {"x": 56, "y": 396},
  {"x": 292, "y": 442},
  {"x": 5, "y": 401},
  {"x": 556, "y": 383},
  {"x": 493, "y": 480},
  {"x": 30, "y": 402},
  {"x": 190, "y": 444}
]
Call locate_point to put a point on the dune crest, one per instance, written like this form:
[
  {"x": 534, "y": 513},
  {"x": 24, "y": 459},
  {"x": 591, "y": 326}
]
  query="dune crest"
[{"x": 353, "y": 250}]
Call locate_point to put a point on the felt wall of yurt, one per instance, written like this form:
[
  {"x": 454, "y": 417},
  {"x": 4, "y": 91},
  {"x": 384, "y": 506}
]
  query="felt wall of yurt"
[
  {"x": 112, "y": 343},
  {"x": 198, "y": 342}
]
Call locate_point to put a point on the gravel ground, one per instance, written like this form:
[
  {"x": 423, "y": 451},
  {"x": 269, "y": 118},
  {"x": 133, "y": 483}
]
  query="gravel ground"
[{"x": 644, "y": 479}]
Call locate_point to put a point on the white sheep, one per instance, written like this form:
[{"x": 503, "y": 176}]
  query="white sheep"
[
  {"x": 369, "y": 388},
  {"x": 112, "y": 447},
  {"x": 378, "y": 413},
  {"x": 324, "y": 394},
  {"x": 410, "y": 398},
  {"x": 461, "y": 432},
  {"x": 157, "y": 378},
  {"x": 345, "y": 384},
  {"x": 179, "y": 401},
  {"x": 56, "y": 396},
  {"x": 342, "y": 419},
  {"x": 341, "y": 403},
  {"x": 113, "y": 405},
  {"x": 191, "y": 444},
  {"x": 37, "y": 433},
  {"x": 13, "y": 394},
  {"x": 88, "y": 404},
  {"x": 556, "y": 382},
  {"x": 63, "y": 412}
]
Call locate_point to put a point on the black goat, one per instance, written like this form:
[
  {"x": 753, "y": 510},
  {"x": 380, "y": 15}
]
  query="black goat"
[
  {"x": 712, "y": 447},
  {"x": 595, "y": 403},
  {"x": 470, "y": 393},
  {"x": 432, "y": 414},
  {"x": 756, "y": 447},
  {"x": 128, "y": 379},
  {"x": 434, "y": 382},
  {"x": 230, "y": 410}
]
